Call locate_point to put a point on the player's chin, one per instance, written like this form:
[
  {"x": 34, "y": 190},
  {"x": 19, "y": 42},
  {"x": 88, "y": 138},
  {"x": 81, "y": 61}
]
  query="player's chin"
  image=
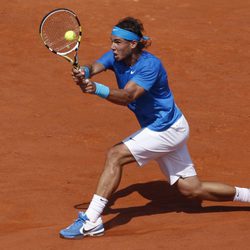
[{"x": 117, "y": 57}]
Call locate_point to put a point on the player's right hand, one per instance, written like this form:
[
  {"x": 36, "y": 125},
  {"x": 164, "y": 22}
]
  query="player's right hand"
[{"x": 78, "y": 76}]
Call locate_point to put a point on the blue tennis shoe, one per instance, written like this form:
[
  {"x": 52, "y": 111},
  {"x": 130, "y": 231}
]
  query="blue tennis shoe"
[{"x": 83, "y": 227}]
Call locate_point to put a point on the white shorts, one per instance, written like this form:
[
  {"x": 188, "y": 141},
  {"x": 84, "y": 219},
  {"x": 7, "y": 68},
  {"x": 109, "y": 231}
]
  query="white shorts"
[{"x": 168, "y": 148}]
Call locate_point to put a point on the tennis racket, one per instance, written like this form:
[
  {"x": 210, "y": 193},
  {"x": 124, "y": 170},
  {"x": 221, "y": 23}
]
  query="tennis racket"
[{"x": 53, "y": 29}]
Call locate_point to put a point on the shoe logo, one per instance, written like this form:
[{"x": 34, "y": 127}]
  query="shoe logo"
[
  {"x": 132, "y": 72},
  {"x": 82, "y": 229}
]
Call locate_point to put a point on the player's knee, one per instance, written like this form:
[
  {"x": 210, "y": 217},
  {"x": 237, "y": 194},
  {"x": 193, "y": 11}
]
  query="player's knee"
[
  {"x": 191, "y": 190},
  {"x": 191, "y": 193},
  {"x": 115, "y": 155}
]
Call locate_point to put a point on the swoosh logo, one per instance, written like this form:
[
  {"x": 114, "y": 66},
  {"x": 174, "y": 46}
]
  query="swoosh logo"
[{"x": 132, "y": 72}]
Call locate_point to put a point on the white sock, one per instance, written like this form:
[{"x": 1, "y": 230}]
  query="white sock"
[
  {"x": 242, "y": 194},
  {"x": 96, "y": 207}
]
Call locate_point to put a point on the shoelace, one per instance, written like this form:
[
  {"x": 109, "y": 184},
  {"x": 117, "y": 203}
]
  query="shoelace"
[{"x": 81, "y": 218}]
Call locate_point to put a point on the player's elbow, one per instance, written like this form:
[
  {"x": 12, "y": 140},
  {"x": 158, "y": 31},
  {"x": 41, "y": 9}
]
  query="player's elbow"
[{"x": 128, "y": 98}]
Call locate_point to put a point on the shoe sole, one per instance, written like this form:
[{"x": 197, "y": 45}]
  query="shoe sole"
[{"x": 79, "y": 237}]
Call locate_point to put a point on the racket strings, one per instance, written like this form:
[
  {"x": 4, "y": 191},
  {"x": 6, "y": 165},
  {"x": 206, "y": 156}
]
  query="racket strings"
[{"x": 54, "y": 28}]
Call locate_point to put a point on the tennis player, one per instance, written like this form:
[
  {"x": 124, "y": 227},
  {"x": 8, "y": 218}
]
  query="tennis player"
[{"x": 143, "y": 87}]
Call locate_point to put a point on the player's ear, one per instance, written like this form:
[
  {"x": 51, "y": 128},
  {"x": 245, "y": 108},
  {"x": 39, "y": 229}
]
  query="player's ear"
[{"x": 133, "y": 44}]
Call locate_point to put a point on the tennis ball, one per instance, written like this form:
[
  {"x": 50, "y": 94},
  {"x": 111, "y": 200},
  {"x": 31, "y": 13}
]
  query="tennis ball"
[{"x": 70, "y": 35}]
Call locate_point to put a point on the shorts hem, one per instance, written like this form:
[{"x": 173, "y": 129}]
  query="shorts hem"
[{"x": 174, "y": 179}]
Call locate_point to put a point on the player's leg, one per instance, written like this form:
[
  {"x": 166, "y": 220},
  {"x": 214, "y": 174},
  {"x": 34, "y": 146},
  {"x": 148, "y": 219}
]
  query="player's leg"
[
  {"x": 192, "y": 187},
  {"x": 117, "y": 157},
  {"x": 130, "y": 150},
  {"x": 90, "y": 222},
  {"x": 178, "y": 167}
]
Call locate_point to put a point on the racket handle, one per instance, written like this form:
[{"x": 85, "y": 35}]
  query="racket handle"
[{"x": 76, "y": 61}]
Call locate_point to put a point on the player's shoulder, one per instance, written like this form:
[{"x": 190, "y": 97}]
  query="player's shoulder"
[{"x": 149, "y": 59}]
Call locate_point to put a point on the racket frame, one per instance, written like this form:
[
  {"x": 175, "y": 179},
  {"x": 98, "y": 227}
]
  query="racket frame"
[{"x": 74, "y": 61}]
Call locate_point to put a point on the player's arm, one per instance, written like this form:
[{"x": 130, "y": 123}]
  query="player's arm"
[{"x": 131, "y": 92}]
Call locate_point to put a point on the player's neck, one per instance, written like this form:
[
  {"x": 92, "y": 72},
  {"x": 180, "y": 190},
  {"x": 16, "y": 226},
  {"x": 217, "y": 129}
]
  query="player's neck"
[{"x": 133, "y": 58}]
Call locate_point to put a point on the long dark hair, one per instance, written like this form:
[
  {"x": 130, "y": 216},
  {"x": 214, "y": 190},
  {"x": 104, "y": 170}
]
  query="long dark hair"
[{"x": 134, "y": 25}]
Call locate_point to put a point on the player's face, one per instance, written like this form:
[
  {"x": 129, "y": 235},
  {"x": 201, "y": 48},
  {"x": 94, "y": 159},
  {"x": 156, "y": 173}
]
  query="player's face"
[{"x": 122, "y": 49}]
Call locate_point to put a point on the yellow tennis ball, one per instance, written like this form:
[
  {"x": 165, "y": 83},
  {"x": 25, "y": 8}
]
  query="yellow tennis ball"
[{"x": 70, "y": 35}]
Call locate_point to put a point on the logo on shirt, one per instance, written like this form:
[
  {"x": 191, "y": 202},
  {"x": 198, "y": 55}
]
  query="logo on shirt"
[{"x": 132, "y": 72}]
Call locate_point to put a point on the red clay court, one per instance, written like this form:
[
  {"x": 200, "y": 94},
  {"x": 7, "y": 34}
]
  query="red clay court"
[{"x": 54, "y": 139}]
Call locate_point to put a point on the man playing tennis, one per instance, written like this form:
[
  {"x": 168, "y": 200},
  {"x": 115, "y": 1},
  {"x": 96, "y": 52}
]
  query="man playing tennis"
[{"x": 143, "y": 87}]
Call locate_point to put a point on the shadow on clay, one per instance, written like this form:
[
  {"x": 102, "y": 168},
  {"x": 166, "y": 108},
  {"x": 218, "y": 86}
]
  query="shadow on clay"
[{"x": 162, "y": 198}]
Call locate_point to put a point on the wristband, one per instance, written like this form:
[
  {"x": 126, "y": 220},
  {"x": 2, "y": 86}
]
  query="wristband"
[
  {"x": 86, "y": 71},
  {"x": 102, "y": 90}
]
